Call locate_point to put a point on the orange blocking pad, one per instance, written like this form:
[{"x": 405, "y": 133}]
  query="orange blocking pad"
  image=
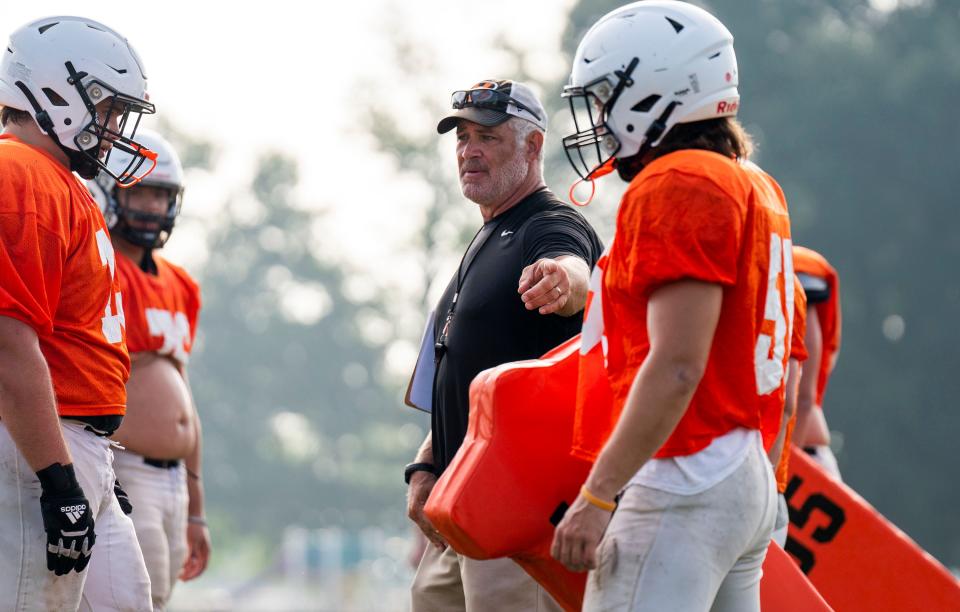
[
  {"x": 515, "y": 468},
  {"x": 566, "y": 587},
  {"x": 854, "y": 557},
  {"x": 784, "y": 587}
]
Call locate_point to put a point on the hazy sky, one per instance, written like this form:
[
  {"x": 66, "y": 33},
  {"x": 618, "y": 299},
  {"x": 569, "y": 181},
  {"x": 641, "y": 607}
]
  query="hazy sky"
[
  {"x": 287, "y": 78},
  {"x": 293, "y": 78}
]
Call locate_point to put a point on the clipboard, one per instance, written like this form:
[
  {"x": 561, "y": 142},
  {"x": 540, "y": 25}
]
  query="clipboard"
[{"x": 420, "y": 389}]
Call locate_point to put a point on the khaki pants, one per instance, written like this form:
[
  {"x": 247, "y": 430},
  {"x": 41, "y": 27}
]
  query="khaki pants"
[
  {"x": 448, "y": 582},
  {"x": 688, "y": 553}
]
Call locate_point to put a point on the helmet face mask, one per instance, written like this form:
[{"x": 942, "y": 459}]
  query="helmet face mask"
[
  {"x": 126, "y": 112},
  {"x": 590, "y": 106},
  {"x": 640, "y": 70},
  {"x": 143, "y": 228},
  {"x": 146, "y": 229},
  {"x": 84, "y": 86}
]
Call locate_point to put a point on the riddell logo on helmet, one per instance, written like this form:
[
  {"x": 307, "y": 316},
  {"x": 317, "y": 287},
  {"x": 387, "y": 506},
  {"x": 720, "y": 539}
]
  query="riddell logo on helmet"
[{"x": 727, "y": 107}]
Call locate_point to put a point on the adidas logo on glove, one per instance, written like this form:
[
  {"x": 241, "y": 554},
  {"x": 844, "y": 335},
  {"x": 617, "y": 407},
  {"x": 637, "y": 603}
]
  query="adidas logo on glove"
[{"x": 74, "y": 512}]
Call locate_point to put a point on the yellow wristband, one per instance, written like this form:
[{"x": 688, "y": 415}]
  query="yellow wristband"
[{"x": 609, "y": 506}]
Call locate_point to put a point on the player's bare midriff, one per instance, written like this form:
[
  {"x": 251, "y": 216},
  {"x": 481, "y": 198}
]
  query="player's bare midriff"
[{"x": 159, "y": 423}]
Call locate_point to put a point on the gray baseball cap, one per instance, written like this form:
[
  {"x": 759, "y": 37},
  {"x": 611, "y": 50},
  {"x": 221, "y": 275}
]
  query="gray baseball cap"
[{"x": 492, "y": 102}]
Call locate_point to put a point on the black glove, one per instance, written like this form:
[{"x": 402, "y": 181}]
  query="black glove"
[
  {"x": 122, "y": 498},
  {"x": 66, "y": 518}
]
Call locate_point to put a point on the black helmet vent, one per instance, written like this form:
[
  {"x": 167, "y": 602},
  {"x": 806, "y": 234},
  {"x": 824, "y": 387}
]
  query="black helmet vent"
[
  {"x": 55, "y": 98},
  {"x": 646, "y": 104},
  {"x": 677, "y": 26}
]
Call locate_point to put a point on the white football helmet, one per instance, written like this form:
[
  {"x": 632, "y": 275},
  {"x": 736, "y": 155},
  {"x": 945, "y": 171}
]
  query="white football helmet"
[
  {"x": 640, "y": 70},
  {"x": 58, "y": 69},
  {"x": 148, "y": 230}
]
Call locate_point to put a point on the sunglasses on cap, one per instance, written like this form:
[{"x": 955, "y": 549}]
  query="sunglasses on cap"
[{"x": 492, "y": 99}]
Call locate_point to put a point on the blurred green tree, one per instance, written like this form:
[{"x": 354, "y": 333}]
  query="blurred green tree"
[{"x": 299, "y": 425}]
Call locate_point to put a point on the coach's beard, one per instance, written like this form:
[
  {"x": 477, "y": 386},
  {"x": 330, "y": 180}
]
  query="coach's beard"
[{"x": 498, "y": 185}]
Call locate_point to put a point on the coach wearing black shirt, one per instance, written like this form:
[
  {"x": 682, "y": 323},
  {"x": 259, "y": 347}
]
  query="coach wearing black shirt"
[{"x": 519, "y": 291}]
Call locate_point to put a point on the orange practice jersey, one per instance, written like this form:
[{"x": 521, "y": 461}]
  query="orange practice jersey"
[
  {"x": 798, "y": 351},
  {"x": 699, "y": 215},
  {"x": 161, "y": 309},
  {"x": 58, "y": 276},
  {"x": 798, "y": 346},
  {"x": 810, "y": 262}
]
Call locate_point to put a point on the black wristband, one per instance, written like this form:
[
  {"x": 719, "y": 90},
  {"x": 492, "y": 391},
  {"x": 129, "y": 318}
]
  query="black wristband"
[
  {"x": 417, "y": 467},
  {"x": 58, "y": 478}
]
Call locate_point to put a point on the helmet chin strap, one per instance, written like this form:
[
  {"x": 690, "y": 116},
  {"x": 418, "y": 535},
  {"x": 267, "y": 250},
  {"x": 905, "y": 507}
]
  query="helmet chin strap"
[
  {"x": 80, "y": 162},
  {"x": 147, "y": 264},
  {"x": 629, "y": 167}
]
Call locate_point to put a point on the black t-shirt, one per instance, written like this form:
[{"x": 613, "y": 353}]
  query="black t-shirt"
[{"x": 490, "y": 324}]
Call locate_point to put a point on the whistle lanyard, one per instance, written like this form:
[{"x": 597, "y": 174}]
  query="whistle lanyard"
[
  {"x": 525, "y": 209},
  {"x": 440, "y": 346}
]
